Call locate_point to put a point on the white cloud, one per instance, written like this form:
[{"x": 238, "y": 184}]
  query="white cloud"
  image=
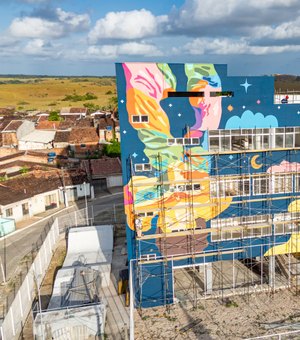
[
  {"x": 230, "y": 46},
  {"x": 36, "y": 27},
  {"x": 287, "y": 30},
  {"x": 126, "y": 25},
  {"x": 41, "y": 48},
  {"x": 129, "y": 49},
  {"x": 72, "y": 20}
]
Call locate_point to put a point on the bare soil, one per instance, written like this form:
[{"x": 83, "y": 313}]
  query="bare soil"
[{"x": 236, "y": 317}]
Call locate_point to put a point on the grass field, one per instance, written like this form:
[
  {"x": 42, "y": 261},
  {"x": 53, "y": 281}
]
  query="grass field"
[{"x": 40, "y": 93}]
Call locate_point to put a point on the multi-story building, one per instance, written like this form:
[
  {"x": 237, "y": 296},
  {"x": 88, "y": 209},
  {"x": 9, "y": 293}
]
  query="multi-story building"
[{"x": 211, "y": 172}]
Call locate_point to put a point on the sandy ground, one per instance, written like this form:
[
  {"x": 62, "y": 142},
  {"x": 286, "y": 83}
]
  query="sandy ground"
[{"x": 237, "y": 317}]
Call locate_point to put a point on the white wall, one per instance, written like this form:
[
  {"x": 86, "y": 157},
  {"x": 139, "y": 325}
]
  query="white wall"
[
  {"x": 23, "y": 145},
  {"x": 114, "y": 181},
  {"x": 36, "y": 205},
  {"x": 25, "y": 129}
]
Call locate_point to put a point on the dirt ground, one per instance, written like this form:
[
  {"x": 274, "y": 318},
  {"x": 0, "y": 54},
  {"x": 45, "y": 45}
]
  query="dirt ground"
[{"x": 236, "y": 317}]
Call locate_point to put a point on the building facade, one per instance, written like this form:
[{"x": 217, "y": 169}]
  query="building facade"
[{"x": 211, "y": 172}]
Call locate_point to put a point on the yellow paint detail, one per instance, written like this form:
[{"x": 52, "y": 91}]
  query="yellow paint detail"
[
  {"x": 294, "y": 206},
  {"x": 254, "y": 164},
  {"x": 291, "y": 246}
]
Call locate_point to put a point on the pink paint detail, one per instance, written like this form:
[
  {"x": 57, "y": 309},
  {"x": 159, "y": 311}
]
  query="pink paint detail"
[
  {"x": 128, "y": 76},
  {"x": 145, "y": 77},
  {"x": 129, "y": 196},
  {"x": 195, "y": 133},
  {"x": 284, "y": 166}
]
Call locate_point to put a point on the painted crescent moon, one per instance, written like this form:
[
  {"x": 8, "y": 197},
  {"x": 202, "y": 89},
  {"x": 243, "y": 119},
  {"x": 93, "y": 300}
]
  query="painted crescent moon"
[{"x": 254, "y": 164}]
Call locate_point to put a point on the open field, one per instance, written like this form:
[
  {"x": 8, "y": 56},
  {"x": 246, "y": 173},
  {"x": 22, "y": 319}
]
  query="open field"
[{"x": 43, "y": 93}]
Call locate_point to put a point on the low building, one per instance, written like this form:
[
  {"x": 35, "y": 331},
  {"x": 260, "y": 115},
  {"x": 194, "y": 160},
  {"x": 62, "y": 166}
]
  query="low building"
[
  {"x": 83, "y": 141},
  {"x": 73, "y": 112},
  {"x": 14, "y": 131},
  {"x": 32, "y": 193},
  {"x": 105, "y": 173},
  {"x": 37, "y": 140}
]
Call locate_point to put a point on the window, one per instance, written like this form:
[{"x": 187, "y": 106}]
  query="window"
[
  {"x": 222, "y": 186},
  {"x": 142, "y": 167},
  {"x": 222, "y": 94},
  {"x": 50, "y": 202},
  {"x": 261, "y": 185},
  {"x": 281, "y": 183},
  {"x": 9, "y": 212},
  {"x": 185, "y": 94},
  {"x": 25, "y": 209},
  {"x": 183, "y": 141},
  {"x": 140, "y": 119},
  {"x": 82, "y": 146},
  {"x": 146, "y": 214},
  {"x": 254, "y": 139},
  {"x": 148, "y": 257},
  {"x": 240, "y": 227},
  {"x": 185, "y": 187},
  {"x": 286, "y": 223}
]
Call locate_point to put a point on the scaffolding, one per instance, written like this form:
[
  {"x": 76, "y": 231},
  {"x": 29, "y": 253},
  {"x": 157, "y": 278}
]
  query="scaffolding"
[{"x": 223, "y": 270}]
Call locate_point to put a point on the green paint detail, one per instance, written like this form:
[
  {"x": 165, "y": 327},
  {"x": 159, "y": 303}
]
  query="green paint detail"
[
  {"x": 195, "y": 72},
  {"x": 156, "y": 143},
  {"x": 168, "y": 74}
]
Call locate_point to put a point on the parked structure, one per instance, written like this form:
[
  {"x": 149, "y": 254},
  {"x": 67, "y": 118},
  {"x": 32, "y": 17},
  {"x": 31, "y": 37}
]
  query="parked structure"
[
  {"x": 211, "y": 181},
  {"x": 76, "y": 308}
]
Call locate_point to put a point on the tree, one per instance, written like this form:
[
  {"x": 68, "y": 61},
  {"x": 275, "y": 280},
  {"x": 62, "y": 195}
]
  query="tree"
[
  {"x": 54, "y": 116},
  {"x": 113, "y": 149}
]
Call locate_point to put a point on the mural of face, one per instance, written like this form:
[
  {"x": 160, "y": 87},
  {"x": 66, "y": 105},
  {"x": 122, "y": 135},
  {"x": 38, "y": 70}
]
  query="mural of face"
[{"x": 147, "y": 85}]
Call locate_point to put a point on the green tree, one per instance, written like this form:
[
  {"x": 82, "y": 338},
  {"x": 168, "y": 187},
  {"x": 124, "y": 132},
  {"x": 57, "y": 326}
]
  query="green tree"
[
  {"x": 54, "y": 116},
  {"x": 112, "y": 150}
]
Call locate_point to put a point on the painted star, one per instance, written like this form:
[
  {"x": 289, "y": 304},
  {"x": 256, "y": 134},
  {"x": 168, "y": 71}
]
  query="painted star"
[
  {"x": 278, "y": 107},
  {"x": 298, "y": 112},
  {"x": 246, "y": 85},
  {"x": 244, "y": 106},
  {"x": 170, "y": 105},
  {"x": 122, "y": 101},
  {"x": 230, "y": 157},
  {"x": 144, "y": 159},
  {"x": 258, "y": 101},
  {"x": 230, "y": 108},
  {"x": 124, "y": 131},
  {"x": 179, "y": 114},
  {"x": 134, "y": 155}
]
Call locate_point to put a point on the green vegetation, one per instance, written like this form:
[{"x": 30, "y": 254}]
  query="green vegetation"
[
  {"x": 112, "y": 150},
  {"x": 54, "y": 116},
  {"x": 42, "y": 92},
  {"x": 24, "y": 170},
  {"x": 79, "y": 98}
]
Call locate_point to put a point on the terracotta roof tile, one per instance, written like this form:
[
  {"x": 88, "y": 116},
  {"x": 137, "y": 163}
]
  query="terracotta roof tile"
[
  {"x": 105, "y": 166},
  {"x": 37, "y": 182},
  {"x": 83, "y": 135}
]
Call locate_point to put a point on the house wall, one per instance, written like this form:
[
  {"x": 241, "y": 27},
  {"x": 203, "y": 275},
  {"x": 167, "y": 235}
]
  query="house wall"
[
  {"x": 9, "y": 139},
  {"x": 36, "y": 205},
  {"x": 27, "y": 145},
  {"x": 114, "y": 181},
  {"x": 25, "y": 129}
]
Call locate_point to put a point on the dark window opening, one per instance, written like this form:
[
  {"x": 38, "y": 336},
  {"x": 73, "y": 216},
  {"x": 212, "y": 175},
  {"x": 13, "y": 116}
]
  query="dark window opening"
[
  {"x": 185, "y": 94},
  {"x": 222, "y": 94}
]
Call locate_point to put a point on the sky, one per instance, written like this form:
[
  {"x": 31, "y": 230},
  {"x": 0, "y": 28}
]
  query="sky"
[{"x": 87, "y": 37}]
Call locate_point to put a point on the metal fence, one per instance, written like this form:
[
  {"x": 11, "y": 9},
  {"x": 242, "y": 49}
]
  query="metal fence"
[{"x": 22, "y": 303}]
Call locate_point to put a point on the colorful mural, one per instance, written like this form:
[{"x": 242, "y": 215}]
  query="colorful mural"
[{"x": 189, "y": 132}]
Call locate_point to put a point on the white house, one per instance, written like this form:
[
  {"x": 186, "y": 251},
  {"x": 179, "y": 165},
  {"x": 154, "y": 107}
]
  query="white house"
[{"x": 37, "y": 140}]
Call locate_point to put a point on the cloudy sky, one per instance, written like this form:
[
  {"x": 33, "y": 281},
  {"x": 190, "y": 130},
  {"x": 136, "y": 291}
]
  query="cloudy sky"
[{"x": 86, "y": 37}]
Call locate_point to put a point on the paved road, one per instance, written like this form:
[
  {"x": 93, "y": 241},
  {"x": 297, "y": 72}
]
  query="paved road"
[{"x": 15, "y": 247}]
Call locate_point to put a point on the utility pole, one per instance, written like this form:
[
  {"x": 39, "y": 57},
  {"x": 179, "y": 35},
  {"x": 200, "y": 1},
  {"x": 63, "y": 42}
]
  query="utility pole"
[{"x": 86, "y": 205}]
